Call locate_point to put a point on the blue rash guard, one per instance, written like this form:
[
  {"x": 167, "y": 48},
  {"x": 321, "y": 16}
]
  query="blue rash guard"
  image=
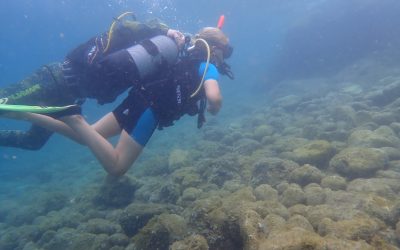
[{"x": 139, "y": 120}]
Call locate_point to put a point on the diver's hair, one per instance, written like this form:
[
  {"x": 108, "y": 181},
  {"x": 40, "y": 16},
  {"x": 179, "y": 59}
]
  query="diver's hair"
[{"x": 213, "y": 36}]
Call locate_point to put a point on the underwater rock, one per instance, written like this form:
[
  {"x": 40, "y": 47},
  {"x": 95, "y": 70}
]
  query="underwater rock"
[
  {"x": 299, "y": 221},
  {"x": 305, "y": 175},
  {"x": 16, "y": 237},
  {"x": 149, "y": 191},
  {"x": 337, "y": 135},
  {"x": 271, "y": 171},
  {"x": 212, "y": 149},
  {"x": 395, "y": 126},
  {"x": 293, "y": 195},
  {"x": 178, "y": 158},
  {"x": 6, "y": 207},
  {"x": 118, "y": 239},
  {"x": 136, "y": 216},
  {"x": 398, "y": 230},
  {"x": 233, "y": 185},
  {"x": 392, "y": 153},
  {"x": 264, "y": 208},
  {"x": 265, "y": 192},
  {"x": 394, "y": 165},
  {"x": 300, "y": 209},
  {"x": 390, "y": 174},
  {"x": 169, "y": 193},
  {"x": 334, "y": 182},
  {"x": 379, "y": 186},
  {"x": 186, "y": 177},
  {"x": 246, "y": 146},
  {"x": 363, "y": 117},
  {"x": 385, "y": 95},
  {"x": 51, "y": 201},
  {"x": 157, "y": 165},
  {"x": 357, "y": 228},
  {"x": 268, "y": 140},
  {"x": 380, "y": 207},
  {"x": 218, "y": 218},
  {"x": 214, "y": 133},
  {"x": 315, "y": 195},
  {"x": 289, "y": 102},
  {"x": 315, "y": 152},
  {"x": 67, "y": 238},
  {"x": 316, "y": 213},
  {"x": 281, "y": 187},
  {"x": 261, "y": 131},
  {"x": 192, "y": 242},
  {"x": 30, "y": 246},
  {"x": 250, "y": 225},
  {"x": 231, "y": 138},
  {"x": 116, "y": 192},
  {"x": 384, "y": 118},
  {"x": 189, "y": 195},
  {"x": 99, "y": 226},
  {"x": 344, "y": 113},
  {"x": 58, "y": 219},
  {"x": 160, "y": 232},
  {"x": 381, "y": 137},
  {"x": 299, "y": 239},
  {"x": 285, "y": 144},
  {"x": 273, "y": 222},
  {"x": 358, "y": 162},
  {"x": 221, "y": 169}
]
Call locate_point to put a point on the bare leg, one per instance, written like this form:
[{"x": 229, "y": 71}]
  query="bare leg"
[
  {"x": 46, "y": 122},
  {"x": 107, "y": 126},
  {"x": 116, "y": 161}
]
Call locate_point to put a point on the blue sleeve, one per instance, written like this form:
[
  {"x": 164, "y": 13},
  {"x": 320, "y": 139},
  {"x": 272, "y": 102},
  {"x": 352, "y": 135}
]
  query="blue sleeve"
[{"x": 212, "y": 72}]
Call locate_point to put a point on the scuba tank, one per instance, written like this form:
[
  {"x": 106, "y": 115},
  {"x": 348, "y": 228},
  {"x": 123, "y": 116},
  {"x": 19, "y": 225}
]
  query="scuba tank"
[
  {"x": 125, "y": 68},
  {"x": 150, "y": 54}
]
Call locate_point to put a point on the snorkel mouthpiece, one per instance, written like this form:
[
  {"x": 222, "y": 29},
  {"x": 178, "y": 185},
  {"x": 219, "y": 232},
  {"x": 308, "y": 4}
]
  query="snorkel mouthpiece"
[{"x": 221, "y": 22}]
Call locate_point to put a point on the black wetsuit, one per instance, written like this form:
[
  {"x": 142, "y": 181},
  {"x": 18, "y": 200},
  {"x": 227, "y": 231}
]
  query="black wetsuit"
[{"x": 73, "y": 80}]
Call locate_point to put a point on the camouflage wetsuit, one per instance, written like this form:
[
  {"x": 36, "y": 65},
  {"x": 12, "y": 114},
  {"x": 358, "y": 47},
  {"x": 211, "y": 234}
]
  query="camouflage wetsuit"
[{"x": 65, "y": 83}]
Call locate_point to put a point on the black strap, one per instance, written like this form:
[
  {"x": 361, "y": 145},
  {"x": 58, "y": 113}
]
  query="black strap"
[
  {"x": 150, "y": 47},
  {"x": 51, "y": 73},
  {"x": 201, "y": 118}
]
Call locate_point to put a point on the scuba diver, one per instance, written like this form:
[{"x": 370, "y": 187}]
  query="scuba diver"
[
  {"x": 187, "y": 83},
  {"x": 79, "y": 77}
]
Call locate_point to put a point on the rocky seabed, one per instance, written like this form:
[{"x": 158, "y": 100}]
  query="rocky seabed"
[{"x": 302, "y": 172}]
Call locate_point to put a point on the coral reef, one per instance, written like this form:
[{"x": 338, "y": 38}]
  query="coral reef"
[{"x": 303, "y": 171}]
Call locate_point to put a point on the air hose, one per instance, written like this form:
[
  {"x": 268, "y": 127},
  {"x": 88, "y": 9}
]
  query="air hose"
[
  {"x": 114, "y": 23},
  {"x": 206, "y": 68}
]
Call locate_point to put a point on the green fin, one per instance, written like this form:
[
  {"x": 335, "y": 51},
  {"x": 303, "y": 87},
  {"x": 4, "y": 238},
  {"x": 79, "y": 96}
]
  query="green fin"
[{"x": 33, "y": 109}]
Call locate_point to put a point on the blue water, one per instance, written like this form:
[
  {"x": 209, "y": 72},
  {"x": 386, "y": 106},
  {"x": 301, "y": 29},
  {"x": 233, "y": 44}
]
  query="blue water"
[
  {"x": 39, "y": 32},
  {"x": 273, "y": 40}
]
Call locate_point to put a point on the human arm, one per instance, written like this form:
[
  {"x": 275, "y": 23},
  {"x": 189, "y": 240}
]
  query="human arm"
[
  {"x": 178, "y": 37},
  {"x": 211, "y": 87},
  {"x": 213, "y": 95},
  {"x": 152, "y": 28}
]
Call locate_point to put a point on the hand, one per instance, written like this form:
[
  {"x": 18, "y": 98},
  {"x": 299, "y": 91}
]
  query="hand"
[
  {"x": 178, "y": 37},
  {"x": 213, "y": 109}
]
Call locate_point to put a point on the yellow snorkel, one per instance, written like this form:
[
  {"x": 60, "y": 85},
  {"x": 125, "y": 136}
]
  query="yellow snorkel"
[{"x": 114, "y": 23}]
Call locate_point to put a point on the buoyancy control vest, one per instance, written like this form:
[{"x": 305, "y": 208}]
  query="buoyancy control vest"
[
  {"x": 81, "y": 66},
  {"x": 170, "y": 97},
  {"x": 131, "y": 67}
]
